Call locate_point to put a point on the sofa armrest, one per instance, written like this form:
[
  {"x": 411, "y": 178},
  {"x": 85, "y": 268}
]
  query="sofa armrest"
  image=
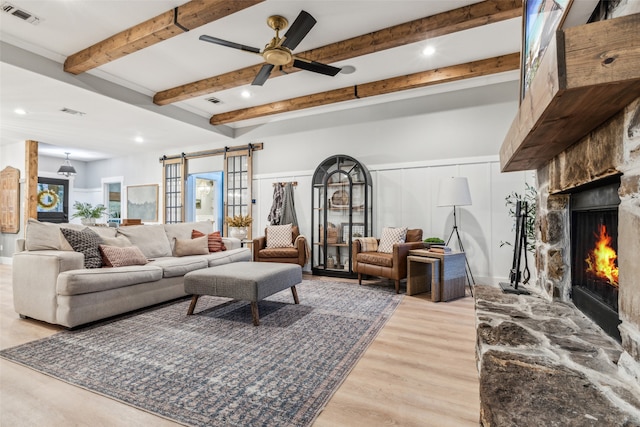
[
  {"x": 400, "y": 254},
  {"x": 259, "y": 243},
  {"x": 231, "y": 243},
  {"x": 35, "y": 274},
  {"x": 20, "y": 245}
]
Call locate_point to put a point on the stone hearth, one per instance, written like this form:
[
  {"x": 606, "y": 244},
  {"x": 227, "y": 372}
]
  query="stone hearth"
[{"x": 544, "y": 363}]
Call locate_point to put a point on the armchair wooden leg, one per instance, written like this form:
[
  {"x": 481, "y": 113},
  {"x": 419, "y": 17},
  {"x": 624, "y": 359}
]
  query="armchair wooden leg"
[
  {"x": 397, "y": 286},
  {"x": 359, "y": 278}
]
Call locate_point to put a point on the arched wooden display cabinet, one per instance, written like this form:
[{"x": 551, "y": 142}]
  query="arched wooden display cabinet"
[{"x": 342, "y": 210}]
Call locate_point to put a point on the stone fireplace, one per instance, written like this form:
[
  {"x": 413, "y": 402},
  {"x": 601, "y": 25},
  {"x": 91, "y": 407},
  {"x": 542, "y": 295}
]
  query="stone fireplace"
[{"x": 609, "y": 153}]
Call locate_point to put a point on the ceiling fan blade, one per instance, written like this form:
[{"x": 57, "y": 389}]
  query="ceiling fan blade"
[
  {"x": 226, "y": 43},
  {"x": 316, "y": 67},
  {"x": 262, "y": 75},
  {"x": 298, "y": 30}
]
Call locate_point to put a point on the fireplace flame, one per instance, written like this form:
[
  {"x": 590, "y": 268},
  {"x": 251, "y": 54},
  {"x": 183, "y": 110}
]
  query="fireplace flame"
[{"x": 601, "y": 261}]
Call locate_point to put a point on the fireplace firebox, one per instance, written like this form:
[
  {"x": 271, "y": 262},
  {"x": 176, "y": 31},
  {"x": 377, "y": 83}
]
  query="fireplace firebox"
[{"x": 594, "y": 246}]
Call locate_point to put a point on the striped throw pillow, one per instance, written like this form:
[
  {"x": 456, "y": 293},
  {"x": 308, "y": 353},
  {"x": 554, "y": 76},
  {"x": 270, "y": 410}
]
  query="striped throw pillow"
[
  {"x": 368, "y": 244},
  {"x": 391, "y": 236},
  {"x": 214, "y": 240}
]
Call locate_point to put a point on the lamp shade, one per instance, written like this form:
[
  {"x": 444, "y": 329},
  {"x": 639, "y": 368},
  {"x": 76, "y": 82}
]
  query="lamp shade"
[
  {"x": 66, "y": 169},
  {"x": 454, "y": 191}
]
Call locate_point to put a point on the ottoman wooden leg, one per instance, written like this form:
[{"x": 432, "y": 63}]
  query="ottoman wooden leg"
[
  {"x": 255, "y": 314},
  {"x": 295, "y": 295},
  {"x": 192, "y": 306}
]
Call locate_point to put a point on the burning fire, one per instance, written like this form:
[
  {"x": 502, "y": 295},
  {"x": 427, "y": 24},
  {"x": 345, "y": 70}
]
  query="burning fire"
[{"x": 601, "y": 261}]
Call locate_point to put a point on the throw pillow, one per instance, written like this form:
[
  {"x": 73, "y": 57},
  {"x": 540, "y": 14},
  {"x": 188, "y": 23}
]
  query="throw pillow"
[
  {"x": 214, "y": 240},
  {"x": 279, "y": 236},
  {"x": 197, "y": 246},
  {"x": 86, "y": 242},
  {"x": 368, "y": 244},
  {"x": 116, "y": 256},
  {"x": 391, "y": 236}
]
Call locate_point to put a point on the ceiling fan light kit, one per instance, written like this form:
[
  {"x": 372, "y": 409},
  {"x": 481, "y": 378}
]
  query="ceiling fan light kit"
[{"x": 278, "y": 51}]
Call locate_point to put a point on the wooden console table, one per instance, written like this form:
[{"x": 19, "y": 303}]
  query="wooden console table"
[{"x": 450, "y": 278}]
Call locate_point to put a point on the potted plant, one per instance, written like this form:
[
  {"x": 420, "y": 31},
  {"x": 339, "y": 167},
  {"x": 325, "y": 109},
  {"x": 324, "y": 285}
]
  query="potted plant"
[
  {"x": 87, "y": 212},
  {"x": 239, "y": 226}
]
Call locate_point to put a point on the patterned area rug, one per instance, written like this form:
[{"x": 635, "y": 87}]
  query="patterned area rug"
[{"x": 215, "y": 368}]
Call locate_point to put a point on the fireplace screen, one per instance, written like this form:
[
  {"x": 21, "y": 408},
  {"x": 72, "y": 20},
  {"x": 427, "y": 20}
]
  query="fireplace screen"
[
  {"x": 595, "y": 244},
  {"x": 594, "y": 257}
]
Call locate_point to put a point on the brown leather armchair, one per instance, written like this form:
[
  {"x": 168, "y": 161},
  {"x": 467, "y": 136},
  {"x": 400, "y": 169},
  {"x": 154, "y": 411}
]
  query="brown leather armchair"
[
  {"x": 295, "y": 255},
  {"x": 392, "y": 266}
]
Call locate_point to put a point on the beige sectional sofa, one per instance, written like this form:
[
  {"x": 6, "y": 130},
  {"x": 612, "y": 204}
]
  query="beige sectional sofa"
[{"x": 51, "y": 284}]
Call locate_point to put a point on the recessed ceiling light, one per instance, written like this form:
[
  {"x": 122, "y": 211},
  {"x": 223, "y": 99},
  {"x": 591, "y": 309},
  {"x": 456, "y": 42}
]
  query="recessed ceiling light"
[
  {"x": 246, "y": 94},
  {"x": 348, "y": 69},
  {"x": 20, "y": 111},
  {"x": 428, "y": 50},
  {"x": 139, "y": 139}
]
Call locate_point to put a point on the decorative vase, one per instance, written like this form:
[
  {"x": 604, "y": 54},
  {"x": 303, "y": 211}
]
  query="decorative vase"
[
  {"x": 88, "y": 221},
  {"x": 238, "y": 232}
]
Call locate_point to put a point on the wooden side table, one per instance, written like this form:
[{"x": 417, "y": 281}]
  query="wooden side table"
[
  {"x": 423, "y": 275},
  {"x": 453, "y": 276}
]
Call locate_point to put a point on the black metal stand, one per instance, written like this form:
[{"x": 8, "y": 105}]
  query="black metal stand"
[
  {"x": 468, "y": 268},
  {"x": 520, "y": 246}
]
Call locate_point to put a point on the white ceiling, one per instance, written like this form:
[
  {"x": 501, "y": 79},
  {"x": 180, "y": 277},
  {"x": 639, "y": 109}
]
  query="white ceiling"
[{"x": 114, "y": 118}]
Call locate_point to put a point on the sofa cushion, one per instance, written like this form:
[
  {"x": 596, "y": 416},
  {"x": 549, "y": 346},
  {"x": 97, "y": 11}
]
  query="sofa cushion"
[
  {"x": 87, "y": 242},
  {"x": 151, "y": 239},
  {"x": 279, "y": 236},
  {"x": 175, "y": 267},
  {"x": 76, "y": 282},
  {"x": 375, "y": 258},
  {"x": 230, "y": 255},
  {"x": 42, "y": 236},
  {"x": 118, "y": 241},
  {"x": 183, "y": 230},
  {"x": 104, "y": 232},
  {"x": 197, "y": 246},
  {"x": 391, "y": 236},
  {"x": 114, "y": 256},
  {"x": 214, "y": 240},
  {"x": 278, "y": 253}
]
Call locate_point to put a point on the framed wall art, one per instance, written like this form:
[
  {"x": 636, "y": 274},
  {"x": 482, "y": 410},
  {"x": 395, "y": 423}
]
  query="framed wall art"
[
  {"x": 142, "y": 202},
  {"x": 540, "y": 20}
]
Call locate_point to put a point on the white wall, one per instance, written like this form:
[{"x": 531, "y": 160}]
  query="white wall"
[{"x": 407, "y": 145}]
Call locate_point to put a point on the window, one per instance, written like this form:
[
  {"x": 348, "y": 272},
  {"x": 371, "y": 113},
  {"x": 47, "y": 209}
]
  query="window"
[{"x": 173, "y": 178}]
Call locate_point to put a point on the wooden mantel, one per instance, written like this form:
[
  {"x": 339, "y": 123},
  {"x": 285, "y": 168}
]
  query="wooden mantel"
[{"x": 587, "y": 74}]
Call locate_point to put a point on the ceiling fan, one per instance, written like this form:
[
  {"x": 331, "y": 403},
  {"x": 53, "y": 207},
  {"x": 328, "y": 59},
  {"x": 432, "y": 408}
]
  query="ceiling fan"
[{"x": 278, "y": 51}]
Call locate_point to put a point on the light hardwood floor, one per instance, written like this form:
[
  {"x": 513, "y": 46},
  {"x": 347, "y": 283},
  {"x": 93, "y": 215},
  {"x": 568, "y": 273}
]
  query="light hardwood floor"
[{"x": 419, "y": 371}]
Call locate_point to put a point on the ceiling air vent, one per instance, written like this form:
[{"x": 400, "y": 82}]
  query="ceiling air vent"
[
  {"x": 74, "y": 112},
  {"x": 213, "y": 100},
  {"x": 20, "y": 13}
]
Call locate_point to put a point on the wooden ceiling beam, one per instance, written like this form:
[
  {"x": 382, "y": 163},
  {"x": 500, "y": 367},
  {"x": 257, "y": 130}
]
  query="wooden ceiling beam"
[
  {"x": 162, "y": 27},
  {"x": 453, "y": 73},
  {"x": 463, "y": 18}
]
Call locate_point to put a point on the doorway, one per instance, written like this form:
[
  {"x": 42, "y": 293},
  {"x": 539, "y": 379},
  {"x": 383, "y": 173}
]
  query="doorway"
[{"x": 204, "y": 198}]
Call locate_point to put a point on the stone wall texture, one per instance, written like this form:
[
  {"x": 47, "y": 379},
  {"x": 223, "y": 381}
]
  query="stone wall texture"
[{"x": 611, "y": 149}]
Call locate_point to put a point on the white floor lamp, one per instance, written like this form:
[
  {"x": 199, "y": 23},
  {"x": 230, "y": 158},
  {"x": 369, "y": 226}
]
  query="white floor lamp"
[{"x": 455, "y": 192}]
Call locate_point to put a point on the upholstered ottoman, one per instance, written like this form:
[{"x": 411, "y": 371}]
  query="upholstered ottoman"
[{"x": 247, "y": 281}]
